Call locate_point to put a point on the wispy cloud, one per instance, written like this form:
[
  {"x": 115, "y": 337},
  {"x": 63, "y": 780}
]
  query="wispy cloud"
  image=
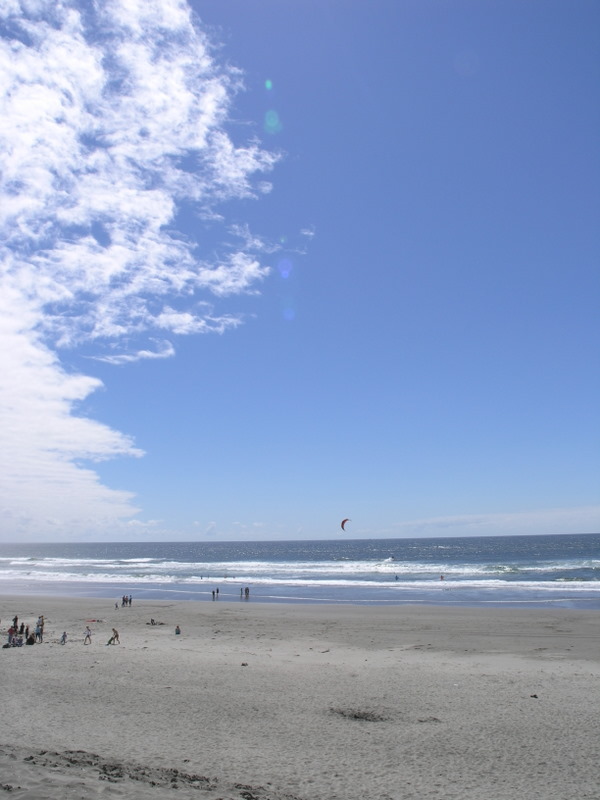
[
  {"x": 113, "y": 120},
  {"x": 584, "y": 519},
  {"x": 163, "y": 350},
  {"x": 253, "y": 242}
]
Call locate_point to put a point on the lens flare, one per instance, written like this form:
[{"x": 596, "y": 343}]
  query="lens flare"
[
  {"x": 272, "y": 122},
  {"x": 285, "y": 267},
  {"x": 268, "y": 84}
]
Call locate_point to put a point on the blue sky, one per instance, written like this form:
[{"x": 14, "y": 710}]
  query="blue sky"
[{"x": 269, "y": 265}]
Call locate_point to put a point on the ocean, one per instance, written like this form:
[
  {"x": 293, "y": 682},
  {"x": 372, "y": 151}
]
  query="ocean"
[{"x": 525, "y": 571}]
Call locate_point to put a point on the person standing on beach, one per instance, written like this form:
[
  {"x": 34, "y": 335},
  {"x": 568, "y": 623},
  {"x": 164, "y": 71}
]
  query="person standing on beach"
[
  {"x": 88, "y": 635},
  {"x": 63, "y": 638}
]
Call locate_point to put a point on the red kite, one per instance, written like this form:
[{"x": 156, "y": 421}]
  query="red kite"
[{"x": 344, "y": 521}]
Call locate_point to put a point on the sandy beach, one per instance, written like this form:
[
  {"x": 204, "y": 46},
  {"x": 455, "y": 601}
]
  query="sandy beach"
[{"x": 284, "y": 702}]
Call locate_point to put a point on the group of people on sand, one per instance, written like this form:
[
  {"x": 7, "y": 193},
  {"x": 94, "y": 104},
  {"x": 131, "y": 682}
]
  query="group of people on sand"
[
  {"x": 244, "y": 592},
  {"x": 126, "y": 600},
  {"x": 20, "y": 634},
  {"x": 87, "y": 636}
]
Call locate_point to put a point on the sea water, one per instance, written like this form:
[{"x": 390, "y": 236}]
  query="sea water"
[{"x": 533, "y": 571}]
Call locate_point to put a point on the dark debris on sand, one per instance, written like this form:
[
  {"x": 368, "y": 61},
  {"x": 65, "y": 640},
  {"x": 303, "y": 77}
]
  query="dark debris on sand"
[
  {"x": 366, "y": 715},
  {"x": 116, "y": 771},
  {"x": 121, "y": 772}
]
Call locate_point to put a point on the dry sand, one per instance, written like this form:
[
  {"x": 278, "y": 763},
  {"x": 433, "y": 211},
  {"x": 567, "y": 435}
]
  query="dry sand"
[{"x": 283, "y": 702}]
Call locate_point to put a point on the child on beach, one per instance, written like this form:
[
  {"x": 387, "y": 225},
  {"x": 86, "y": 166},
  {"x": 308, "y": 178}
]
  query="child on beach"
[
  {"x": 63, "y": 638},
  {"x": 88, "y": 636}
]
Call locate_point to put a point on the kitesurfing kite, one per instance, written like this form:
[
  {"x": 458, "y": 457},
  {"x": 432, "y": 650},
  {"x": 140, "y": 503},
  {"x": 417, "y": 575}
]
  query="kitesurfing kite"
[{"x": 344, "y": 521}]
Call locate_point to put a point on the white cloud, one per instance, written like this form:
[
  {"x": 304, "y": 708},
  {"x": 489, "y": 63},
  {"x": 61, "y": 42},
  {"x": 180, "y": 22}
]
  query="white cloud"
[
  {"x": 44, "y": 489},
  {"x": 112, "y": 119},
  {"x": 253, "y": 242},
  {"x": 164, "y": 350}
]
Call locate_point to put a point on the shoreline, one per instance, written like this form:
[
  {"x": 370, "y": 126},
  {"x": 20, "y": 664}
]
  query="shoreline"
[
  {"x": 512, "y": 571},
  {"x": 310, "y": 702},
  {"x": 449, "y": 594}
]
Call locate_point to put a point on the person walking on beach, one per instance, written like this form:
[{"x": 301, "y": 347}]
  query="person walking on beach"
[
  {"x": 88, "y": 635},
  {"x": 114, "y": 639},
  {"x": 63, "y": 638}
]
